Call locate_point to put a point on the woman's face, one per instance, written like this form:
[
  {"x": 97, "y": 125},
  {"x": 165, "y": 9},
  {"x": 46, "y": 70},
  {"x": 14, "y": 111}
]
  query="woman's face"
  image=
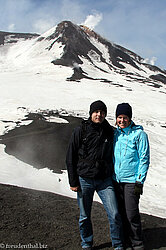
[{"x": 123, "y": 121}]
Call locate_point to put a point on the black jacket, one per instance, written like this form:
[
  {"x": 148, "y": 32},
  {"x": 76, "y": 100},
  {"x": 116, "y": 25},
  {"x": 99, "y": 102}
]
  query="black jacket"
[{"x": 90, "y": 152}]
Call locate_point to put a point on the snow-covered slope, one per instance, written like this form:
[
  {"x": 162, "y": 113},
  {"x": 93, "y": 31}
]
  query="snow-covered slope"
[
  {"x": 76, "y": 46},
  {"x": 67, "y": 68}
]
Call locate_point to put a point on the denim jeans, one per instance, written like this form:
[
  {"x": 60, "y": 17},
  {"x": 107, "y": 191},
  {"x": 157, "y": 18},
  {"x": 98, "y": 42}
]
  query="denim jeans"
[{"x": 106, "y": 192}]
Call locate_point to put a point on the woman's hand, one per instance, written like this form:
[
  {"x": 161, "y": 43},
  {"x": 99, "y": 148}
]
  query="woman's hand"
[{"x": 138, "y": 190}]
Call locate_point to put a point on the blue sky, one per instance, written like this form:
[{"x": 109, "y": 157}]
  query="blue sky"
[{"x": 138, "y": 25}]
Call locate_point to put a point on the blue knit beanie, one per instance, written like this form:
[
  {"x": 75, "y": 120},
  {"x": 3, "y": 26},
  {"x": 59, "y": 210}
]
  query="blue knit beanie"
[{"x": 124, "y": 109}]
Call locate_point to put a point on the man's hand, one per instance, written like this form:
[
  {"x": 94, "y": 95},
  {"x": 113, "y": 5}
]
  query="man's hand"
[{"x": 75, "y": 189}]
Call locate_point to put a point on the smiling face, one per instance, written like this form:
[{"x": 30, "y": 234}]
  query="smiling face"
[
  {"x": 123, "y": 121},
  {"x": 98, "y": 116}
]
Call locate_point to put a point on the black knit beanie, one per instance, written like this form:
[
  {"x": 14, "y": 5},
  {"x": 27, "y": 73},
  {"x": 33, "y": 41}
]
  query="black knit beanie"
[
  {"x": 98, "y": 105},
  {"x": 124, "y": 109}
]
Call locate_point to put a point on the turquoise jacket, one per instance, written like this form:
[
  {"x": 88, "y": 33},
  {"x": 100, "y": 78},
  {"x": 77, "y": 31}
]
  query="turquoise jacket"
[{"x": 131, "y": 154}]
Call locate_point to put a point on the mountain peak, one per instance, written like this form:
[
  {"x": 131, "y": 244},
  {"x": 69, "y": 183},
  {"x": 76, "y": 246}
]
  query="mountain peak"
[
  {"x": 91, "y": 56},
  {"x": 78, "y": 43}
]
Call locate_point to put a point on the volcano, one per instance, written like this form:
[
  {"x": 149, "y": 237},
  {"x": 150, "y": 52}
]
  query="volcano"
[{"x": 88, "y": 54}]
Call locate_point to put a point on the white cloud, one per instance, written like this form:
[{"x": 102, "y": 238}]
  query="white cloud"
[
  {"x": 151, "y": 61},
  {"x": 11, "y": 27},
  {"x": 93, "y": 20}
]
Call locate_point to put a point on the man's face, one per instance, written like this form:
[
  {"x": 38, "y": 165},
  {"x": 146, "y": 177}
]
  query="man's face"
[
  {"x": 123, "y": 121},
  {"x": 98, "y": 116}
]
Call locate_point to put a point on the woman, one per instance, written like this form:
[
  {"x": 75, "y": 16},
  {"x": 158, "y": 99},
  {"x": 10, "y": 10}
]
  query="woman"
[{"x": 131, "y": 162}]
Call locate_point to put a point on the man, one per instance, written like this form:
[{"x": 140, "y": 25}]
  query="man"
[{"x": 89, "y": 165}]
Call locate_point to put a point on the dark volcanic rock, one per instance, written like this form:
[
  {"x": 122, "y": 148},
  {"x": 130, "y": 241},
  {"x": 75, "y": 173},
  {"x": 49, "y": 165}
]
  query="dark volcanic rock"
[
  {"x": 12, "y": 37},
  {"x": 77, "y": 44},
  {"x": 50, "y": 221},
  {"x": 159, "y": 77},
  {"x": 41, "y": 143},
  {"x": 78, "y": 75}
]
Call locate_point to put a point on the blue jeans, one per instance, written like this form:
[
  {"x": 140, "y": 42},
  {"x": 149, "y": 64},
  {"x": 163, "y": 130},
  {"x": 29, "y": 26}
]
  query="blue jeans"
[{"x": 106, "y": 192}]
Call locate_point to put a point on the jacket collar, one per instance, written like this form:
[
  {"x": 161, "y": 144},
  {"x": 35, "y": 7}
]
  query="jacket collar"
[{"x": 127, "y": 129}]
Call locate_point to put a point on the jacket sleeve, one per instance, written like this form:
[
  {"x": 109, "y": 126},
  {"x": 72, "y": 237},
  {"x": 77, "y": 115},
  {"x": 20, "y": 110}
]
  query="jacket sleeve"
[
  {"x": 144, "y": 156},
  {"x": 72, "y": 157}
]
